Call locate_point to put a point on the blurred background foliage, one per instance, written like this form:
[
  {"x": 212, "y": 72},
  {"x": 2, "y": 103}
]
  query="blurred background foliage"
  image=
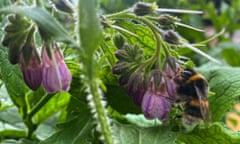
[{"x": 218, "y": 14}]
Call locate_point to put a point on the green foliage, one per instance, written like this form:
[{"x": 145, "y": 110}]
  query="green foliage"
[
  {"x": 224, "y": 82},
  {"x": 11, "y": 76}
]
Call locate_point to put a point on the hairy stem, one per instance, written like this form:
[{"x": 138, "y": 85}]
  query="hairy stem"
[{"x": 101, "y": 114}]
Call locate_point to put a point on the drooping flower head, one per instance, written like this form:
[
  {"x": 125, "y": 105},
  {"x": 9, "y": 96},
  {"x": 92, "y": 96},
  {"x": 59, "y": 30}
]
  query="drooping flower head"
[{"x": 56, "y": 75}]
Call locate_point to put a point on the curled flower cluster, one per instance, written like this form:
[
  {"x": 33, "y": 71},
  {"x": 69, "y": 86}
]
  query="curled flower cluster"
[
  {"x": 48, "y": 70},
  {"x": 153, "y": 91}
]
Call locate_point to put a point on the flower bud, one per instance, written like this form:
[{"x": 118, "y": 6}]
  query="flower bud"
[
  {"x": 31, "y": 70},
  {"x": 121, "y": 67},
  {"x": 142, "y": 8},
  {"x": 118, "y": 41},
  {"x": 56, "y": 75},
  {"x": 172, "y": 37},
  {"x": 157, "y": 78},
  {"x": 155, "y": 106},
  {"x": 16, "y": 33},
  {"x": 166, "y": 20},
  {"x": 171, "y": 90},
  {"x": 121, "y": 55},
  {"x": 63, "y": 5},
  {"x": 171, "y": 67},
  {"x": 135, "y": 87},
  {"x": 123, "y": 79}
]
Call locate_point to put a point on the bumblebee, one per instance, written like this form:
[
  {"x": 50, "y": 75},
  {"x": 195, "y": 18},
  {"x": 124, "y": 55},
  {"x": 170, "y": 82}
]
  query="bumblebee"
[{"x": 192, "y": 89}]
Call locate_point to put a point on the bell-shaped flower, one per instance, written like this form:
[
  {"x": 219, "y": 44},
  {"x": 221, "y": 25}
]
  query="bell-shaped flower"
[
  {"x": 155, "y": 106},
  {"x": 31, "y": 70},
  {"x": 155, "y": 103},
  {"x": 56, "y": 75}
]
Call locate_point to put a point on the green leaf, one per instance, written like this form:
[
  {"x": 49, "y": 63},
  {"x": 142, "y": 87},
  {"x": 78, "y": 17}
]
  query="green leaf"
[
  {"x": 215, "y": 134},
  {"x": 21, "y": 141},
  {"x": 118, "y": 100},
  {"x": 74, "y": 131},
  {"x": 47, "y": 23},
  {"x": 231, "y": 56},
  {"x": 90, "y": 32},
  {"x": 144, "y": 35},
  {"x": 130, "y": 134},
  {"x": 12, "y": 79},
  {"x": 225, "y": 83},
  {"x": 54, "y": 105},
  {"x": 11, "y": 125}
]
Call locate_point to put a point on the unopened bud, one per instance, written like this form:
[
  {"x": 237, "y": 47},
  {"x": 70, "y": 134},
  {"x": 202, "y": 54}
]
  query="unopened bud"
[
  {"x": 63, "y": 5},
  {"x": 118, "y": 41},
  {"x": 171, "y": 67},
  {"x": 172, "y": 37},
  {"x": 166, "y": 20},
  {"x": 135, "y": 87},
  {"x": 121, "y": 67},
  {"x": 157, "y": 78},
  {"x": 142, "y": 8}
]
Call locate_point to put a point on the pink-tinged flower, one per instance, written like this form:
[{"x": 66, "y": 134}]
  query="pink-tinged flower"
[
  {"x": 156, "y": 102},
  {"x": 56, "y": 75},
  {"x": 32, "y": 71},
  {"x": 155, "y": 106},
  {"x": 171, "y": 67}
]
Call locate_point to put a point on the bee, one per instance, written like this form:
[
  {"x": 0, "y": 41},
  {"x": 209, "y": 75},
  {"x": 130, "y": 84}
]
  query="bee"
[{"x": 192, "y": 89}]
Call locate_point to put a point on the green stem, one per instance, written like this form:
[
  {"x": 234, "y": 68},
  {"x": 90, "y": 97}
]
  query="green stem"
[
  {"x": 40, "y": 104},
  {"x": 101, "y": 113},
  {"x": 159, "y": 42}
]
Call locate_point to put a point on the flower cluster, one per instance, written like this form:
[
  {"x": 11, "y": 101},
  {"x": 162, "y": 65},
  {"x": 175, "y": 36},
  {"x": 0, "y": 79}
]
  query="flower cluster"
[
  {"x": 48, "y": 70},
  {"x": 155, "y": 90}
]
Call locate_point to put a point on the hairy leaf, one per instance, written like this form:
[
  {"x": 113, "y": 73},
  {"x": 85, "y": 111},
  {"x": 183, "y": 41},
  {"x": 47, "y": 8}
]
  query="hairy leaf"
[
  {"x": 130, "y": 134},
  {"x": 144, "y": 35},
  {"x": 74, "y": 131},
  {"x": 225, "y": 83},
  {"x": 215, "y": 134},
  {"x": 12, "y": 79},
  {"x": 89, "y": 24}
]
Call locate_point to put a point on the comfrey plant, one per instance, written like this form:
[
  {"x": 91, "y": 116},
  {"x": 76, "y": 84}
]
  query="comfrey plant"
[{"x": 121, "y": 78}]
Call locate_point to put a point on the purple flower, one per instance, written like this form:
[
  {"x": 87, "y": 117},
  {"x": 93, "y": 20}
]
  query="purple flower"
[
  {"x": 56, "y": 75},
  {"x": 171, "y": 89},
  {"x": 32, "y": 71},
  {"x": 135, "y": 88},
  {"x": 156, "y": 103},
  {"x": 171, "y": 67},
  {"x": 155, "y": 106}
]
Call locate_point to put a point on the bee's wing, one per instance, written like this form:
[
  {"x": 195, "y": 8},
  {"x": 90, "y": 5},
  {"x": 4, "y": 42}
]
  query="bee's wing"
[{"x": 201, "y": 88}]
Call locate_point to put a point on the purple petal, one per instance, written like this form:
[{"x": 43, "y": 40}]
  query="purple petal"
[
  {"x": 155, "y": 106},
  {"x": 55, "y": 78}
]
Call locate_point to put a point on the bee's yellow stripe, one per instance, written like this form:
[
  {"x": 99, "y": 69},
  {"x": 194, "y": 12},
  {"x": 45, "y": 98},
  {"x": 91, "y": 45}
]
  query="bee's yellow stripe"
[
  {"x": 196, "y": 103},
  {"x": 195, "y": 77}
]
